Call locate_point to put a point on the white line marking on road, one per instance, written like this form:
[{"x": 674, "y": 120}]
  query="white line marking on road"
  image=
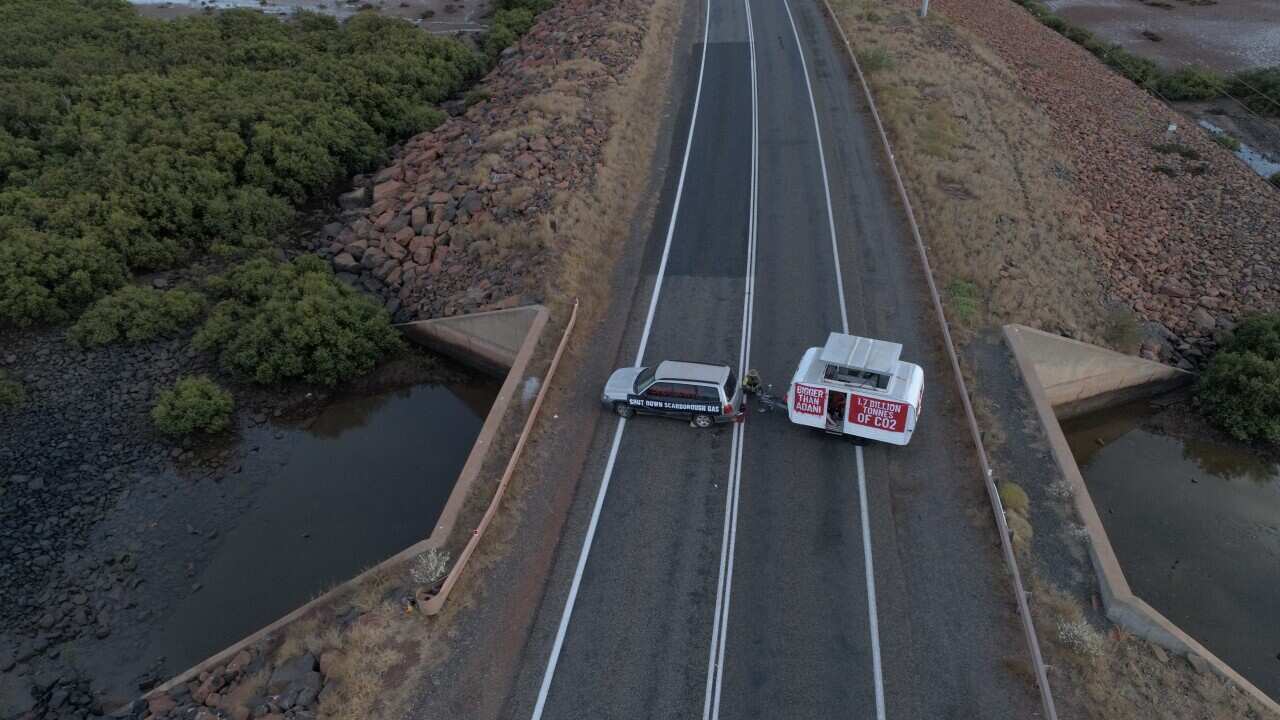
[
  {"x": 724, "y": 585},
  {"x": 822, "y": 160},
  {"x": 549, "y": 674},
  {"x": 876, "y": 669},
  {"x": 874, "y": 622}
]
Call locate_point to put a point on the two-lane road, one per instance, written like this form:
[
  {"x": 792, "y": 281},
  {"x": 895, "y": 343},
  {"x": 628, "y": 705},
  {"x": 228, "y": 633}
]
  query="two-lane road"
[{"x": 761, "y": 570}]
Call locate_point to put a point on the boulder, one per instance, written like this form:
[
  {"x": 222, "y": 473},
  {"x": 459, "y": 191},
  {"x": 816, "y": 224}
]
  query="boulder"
[
  {"x": 388, "y": 189},
  {"x": 418, "y": 219},
  {"x": 160, "y": 704},
  {"x": 345, "y": 262},
  {"x": 290, "y": 671},
  {"x": 1203, "y": 320}
]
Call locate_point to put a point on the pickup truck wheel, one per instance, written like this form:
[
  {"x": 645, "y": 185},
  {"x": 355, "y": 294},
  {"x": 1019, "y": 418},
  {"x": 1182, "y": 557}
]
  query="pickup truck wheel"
[
  {"x": 624, "y": 410},
  {"x": 702, "y": 421}
]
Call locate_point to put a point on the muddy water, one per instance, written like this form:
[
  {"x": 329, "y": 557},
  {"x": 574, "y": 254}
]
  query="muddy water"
[
  {"x": 1196, "y": 526},
  {"x": 304, "y": 509}
]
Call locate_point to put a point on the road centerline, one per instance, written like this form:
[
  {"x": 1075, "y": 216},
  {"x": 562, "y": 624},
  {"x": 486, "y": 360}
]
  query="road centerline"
[{"x": 724, "y": 585}]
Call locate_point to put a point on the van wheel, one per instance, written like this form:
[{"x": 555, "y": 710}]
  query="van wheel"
[
  {"x": 702, "y": 421},
  {"x": 624, "y": 410}
]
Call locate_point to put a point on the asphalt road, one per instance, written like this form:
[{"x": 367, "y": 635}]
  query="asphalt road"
[{"x": 764, "y": 570}]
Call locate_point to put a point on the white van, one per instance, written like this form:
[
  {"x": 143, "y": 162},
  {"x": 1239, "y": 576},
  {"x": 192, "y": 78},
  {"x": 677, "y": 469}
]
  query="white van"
[{"x": 857, "y": 386}]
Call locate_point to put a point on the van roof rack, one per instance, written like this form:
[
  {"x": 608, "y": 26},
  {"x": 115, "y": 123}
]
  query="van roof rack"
[{"x": 852, "y": 351}]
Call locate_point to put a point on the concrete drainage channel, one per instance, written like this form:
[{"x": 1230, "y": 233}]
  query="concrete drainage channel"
[
  {"x": 1067, "y": 378},
  {"x": 502, "y": 339}
]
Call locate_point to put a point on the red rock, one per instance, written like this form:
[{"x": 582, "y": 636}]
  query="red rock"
[
  {"x": 439, "y": 197},
  {"x": 388, "y": 189},
  {"x": 160, "y": 704}
]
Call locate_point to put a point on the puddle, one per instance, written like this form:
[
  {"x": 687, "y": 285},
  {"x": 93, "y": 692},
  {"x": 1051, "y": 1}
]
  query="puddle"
[
  {"x": 1255, "y": 159},
  {"x": 1196, "y": 526},
  {"x": 365, "y": 479}
]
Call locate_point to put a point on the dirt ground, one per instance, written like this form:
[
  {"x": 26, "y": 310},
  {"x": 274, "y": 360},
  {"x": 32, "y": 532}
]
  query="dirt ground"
[{"x": 1226, "y": 35}]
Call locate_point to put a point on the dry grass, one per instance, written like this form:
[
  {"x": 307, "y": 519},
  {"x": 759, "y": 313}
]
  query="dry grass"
[
  {"x": 577, "y": 67},
  {"x": 990, "y": 187},
  {"x": 1117, "y": 676},
  {"x": 554, "y": 105},
  {"x": 497, "y": 140}
]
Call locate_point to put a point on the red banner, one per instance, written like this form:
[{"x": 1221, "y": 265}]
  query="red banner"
[
  {"x": 810, "y": 400},
  {"x": 879, "y": 414}
]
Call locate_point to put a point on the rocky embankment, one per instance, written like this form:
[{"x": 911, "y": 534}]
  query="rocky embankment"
[
  {"x": 248, "y": 686},
  {"x": 460, "y": 221},
  {"x": 1192, "y": 236}
]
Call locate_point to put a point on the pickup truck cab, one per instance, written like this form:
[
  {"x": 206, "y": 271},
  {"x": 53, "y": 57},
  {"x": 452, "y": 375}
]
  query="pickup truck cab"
[
  {"x": 857, "y": 386},
  {"x": 704, "y": 393}
]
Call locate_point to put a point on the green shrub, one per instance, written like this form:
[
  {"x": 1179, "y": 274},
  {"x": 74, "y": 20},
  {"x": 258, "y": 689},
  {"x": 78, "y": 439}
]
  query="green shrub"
[
  {"x": 875, "y": 60},
  {"x": 1258, "y": 88},
  {"x": 130, "y": 143},
  {"x": 43, "y": 279},
  {"x": 962, "y": 298},
  {"x": 1274, "y": 179},
  {"x": 193, "y": 404},
  {"x": 1240, "y": 389},
  {"x": 134, "y": 314},
  {"x": 1226, "y": 140},
  {"x": 11, "y": 392},
  {"x": 1138, "y": 69},
  {"x": 1014, "y": 498},
  {"x": 1173, "y": 148},
  {"x": 1191, "y": 83},
  {"x": 512, "y": 19},
  {"x": 294, "y": 321}
]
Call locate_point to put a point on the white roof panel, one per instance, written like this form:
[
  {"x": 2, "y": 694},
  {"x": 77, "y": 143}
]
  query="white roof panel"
[
  {"x": 852, "y": 351},
  {"x": 698, "y": 372}
]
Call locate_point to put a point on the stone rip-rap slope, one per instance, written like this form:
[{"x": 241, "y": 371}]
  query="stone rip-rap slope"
[
  {"x": 1192, "y": 235},
  {"x": 460, "y": 221}
]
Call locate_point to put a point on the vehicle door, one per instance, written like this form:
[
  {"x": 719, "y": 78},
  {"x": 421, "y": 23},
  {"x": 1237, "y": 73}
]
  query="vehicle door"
[{"x": 836, "y": 403}]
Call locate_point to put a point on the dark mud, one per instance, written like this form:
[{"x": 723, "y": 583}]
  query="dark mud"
[{"x": 125, "y": 558}]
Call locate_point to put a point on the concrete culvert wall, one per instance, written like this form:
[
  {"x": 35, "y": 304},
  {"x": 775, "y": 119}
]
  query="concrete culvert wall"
[{"x": 1067, "y": 378}]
